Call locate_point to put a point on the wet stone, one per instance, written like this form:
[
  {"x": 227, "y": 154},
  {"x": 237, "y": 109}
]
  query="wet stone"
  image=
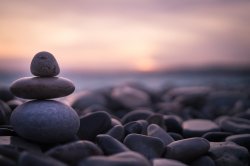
[
  {"x": 45, "y": 121},
  {"x": 198, "y": 127},
  {"x": 44, "y": 64},
  {"x": 150, "y": 147},
  {"x": 73, "y": 152},
  {"x": 42, "y": 87},
  {"x": 187, "y": 150},
  {"x": 93, "y": 124}
]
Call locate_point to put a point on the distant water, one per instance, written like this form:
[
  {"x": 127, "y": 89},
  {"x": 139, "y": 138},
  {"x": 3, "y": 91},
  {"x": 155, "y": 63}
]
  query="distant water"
[{"x": 153, "y": 81}]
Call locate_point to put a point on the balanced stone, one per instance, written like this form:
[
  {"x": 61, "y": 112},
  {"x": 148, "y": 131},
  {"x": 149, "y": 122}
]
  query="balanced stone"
[
  {"x": 42, "y": 87},
  {"x": 45, "y": 121},
  {"x": 44, "y": 64}
]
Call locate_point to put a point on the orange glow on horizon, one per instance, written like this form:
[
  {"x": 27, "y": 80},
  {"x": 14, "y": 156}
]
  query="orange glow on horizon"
[{"x": 129, "y": 35}]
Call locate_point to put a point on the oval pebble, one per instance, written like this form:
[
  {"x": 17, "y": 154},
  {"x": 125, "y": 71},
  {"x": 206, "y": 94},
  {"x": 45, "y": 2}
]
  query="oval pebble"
[
  {"x": 93, "y": 124},
  {"x": 45, "y": 121},
  {"x": 198, "y": 127},
  {"x": 42, "y": 87},
  {"x": 240, "y": 139},
  {"x": 44, "y": 64},
  {"x": 187, "y": 150}
]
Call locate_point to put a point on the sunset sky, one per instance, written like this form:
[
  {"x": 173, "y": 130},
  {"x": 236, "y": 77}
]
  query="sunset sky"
[{"x": 125, "y": 35}]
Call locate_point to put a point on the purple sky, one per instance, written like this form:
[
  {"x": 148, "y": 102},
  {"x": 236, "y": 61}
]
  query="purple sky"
[{"x": 126, "y": 35}]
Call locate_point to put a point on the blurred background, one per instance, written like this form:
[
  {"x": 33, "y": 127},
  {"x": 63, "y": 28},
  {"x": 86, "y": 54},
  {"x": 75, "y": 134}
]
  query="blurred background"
[{"x": 107, "y": 42}]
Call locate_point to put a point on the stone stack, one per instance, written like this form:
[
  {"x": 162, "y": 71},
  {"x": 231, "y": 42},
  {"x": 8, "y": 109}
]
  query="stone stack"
[{"x": 43, "y": 120}]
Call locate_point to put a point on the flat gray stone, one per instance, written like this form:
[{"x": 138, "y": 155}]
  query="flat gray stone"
[
  {"x": 44, "y": 64},
  {"x": 198, "y": 127},
  {"x": 42, "y": 87},
  {"x": 45, "y": 121}
]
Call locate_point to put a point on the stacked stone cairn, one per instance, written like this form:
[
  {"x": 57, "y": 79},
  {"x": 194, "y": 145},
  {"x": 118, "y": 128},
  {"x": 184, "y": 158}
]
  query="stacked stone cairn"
[{"x": 43, "y": 120}]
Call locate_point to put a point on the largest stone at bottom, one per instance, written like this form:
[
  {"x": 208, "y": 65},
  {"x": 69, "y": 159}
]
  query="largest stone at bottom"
[{"x": 45, "y": 121}]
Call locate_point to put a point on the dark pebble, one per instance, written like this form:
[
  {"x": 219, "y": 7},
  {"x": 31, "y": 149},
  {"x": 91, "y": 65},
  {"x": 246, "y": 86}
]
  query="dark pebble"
[
  {"x": 5, "y": 112},
  {"x": 216, "y": 136},
  {"x": 5, "y": 94},
  {"x": 4, "y": 161},
  {"x": 156, "y": 131},
  {"x": 44, "y": 64},
  {"x": 203, "y": 161},
  {"x": 150, "y": 147},
  {"x": 120, "y": 159},
  {"x": 93, "y": 124},
  {"x": 117, "y": 132},
  {"x": 173, "y": 123},
  {"x": 27, "y": 158},
  {"x": 42, "y": 87},
  {"x": 157, "y": 119},
  {"x": 198, "y": 127},
  {"x": 73, "y": 152},
  {"x": 110, "y": 145},
  {"x": 240, "y": 139},
  {"x": 228, "y": 153},
  {"x": 137, "y": 127},
  {"x": 45, "y": 121},
  {"x": 187, "y": 150}
]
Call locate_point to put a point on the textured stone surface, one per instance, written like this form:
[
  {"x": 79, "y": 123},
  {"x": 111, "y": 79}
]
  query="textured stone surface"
[
  {"x": 45, "y": 121},
  {"x": 44, "y": 64},
  {"x": 167, "y": 162},
  {"x": 42, "y": 87}
]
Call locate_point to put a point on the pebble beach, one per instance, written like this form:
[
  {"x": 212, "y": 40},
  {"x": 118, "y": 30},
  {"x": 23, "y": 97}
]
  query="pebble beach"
[{"x": 44, "y": 122}]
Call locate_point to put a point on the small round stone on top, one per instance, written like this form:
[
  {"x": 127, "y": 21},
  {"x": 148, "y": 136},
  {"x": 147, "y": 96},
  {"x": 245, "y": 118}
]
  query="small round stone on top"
[{"x": 44, "y": 64}]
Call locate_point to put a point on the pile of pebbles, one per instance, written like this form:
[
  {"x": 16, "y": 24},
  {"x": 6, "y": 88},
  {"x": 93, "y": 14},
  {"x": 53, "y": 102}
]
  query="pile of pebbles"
[{"x": 125, "y": 125}]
